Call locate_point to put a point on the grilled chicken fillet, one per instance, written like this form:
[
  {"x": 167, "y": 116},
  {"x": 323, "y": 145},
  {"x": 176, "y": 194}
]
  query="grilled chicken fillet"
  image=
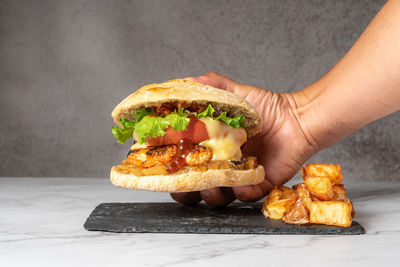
[{"x": 151, "y": 156}]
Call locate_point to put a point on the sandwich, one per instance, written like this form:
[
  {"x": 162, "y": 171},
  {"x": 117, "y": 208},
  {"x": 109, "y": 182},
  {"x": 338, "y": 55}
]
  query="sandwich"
[{"x": 186, "y": 137}]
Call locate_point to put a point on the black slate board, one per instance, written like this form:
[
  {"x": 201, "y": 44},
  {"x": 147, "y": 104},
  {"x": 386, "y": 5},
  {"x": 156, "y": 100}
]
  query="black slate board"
[{"x": 237, "y": 218}]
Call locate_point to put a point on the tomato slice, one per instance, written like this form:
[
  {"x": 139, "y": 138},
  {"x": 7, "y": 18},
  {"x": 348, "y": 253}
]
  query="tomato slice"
[{"x": 196, "y": 132}]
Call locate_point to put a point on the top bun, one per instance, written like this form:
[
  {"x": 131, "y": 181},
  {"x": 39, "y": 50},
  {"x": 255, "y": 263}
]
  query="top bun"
[{"x": 180, "y": 90}]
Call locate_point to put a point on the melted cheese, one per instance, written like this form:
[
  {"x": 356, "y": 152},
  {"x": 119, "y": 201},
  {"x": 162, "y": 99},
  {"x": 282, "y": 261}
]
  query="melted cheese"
[
  {"x": 225, "y": 142},
  {"x": 137, "y": 146}
]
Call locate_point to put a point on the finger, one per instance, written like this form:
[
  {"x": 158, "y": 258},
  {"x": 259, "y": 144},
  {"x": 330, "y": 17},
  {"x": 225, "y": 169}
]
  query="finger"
[
  {"x": 205, "y": 79},
  {"x": 218, "y": 196},
  {"x": 218, "y": 81},
  {"x": 200, "y": 80},
  {"x": 187, "y": 198},
  {"x": 266, "y": 186},
  {"x": 248, "y": 193}
]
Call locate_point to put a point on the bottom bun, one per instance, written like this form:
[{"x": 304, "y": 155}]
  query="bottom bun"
[{"x": 189, "y": 181}]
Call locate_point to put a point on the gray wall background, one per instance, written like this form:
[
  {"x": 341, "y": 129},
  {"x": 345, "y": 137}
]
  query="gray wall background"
[{"x": 66, "y": 64}]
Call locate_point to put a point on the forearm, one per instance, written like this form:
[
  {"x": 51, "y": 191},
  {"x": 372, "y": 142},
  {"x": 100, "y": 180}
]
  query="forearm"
[{"x": 363, "y": 87}]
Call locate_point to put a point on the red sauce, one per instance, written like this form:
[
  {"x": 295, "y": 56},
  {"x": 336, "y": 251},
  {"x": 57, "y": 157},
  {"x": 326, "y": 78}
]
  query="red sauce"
[{"x": 183, "y": 147}]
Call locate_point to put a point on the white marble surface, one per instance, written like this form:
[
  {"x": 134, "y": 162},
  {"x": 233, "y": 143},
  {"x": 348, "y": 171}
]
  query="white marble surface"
[{"x": 41, "y": 225}]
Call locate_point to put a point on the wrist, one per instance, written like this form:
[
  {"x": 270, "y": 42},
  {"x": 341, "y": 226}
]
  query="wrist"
[{"x": 315, "y": 118}]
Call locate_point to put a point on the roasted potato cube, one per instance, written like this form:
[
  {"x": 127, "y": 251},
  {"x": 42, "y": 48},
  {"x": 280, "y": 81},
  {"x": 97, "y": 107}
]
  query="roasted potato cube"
[
  {"x": 298, "y": 214},
  {"x": 287, "y": 192},
  {"x": 273, "y": 196},
  {"x": 275, "y": 206},
  {"x": 353, "y": 212},
  {"x": 304, "y": 195},
  {"x": 314, "y": 198},
  {"x": 339, "y": 192},
  {"x": 332, "y": 171},
  {"x": 264, "y": 210},
  {"x": 278, "y": 209},
  {"x": 320, "y": 187},
  {"x": 336, "y": 213}
]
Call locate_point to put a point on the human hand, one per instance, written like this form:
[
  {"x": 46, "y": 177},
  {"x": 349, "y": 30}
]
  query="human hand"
[
  {"x": 282, "y": 146},
  {"x": 361, "y": 88}
]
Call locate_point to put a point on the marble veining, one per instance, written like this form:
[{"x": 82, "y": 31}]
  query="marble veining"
[{"x": 41, "y": 224}]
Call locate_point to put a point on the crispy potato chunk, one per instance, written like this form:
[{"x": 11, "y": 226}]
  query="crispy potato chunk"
[
  {"x": 278, "y": 209},
  {"x": 279, "y": 202},
  {"x": 321, "y": 199},
  {"x": 298, "y": 214},
  {"x": 274, "y": 195},
  {"x": 336, "y": 213},
  {"x": 332, "y": 171},
  {"x": 339, "y": 192},
  {"x": 320, "y": 187},
  {"x": 353, "y": 212},
  {"x": 287, "y": 192},
  {"x": 304, "y": 195}
]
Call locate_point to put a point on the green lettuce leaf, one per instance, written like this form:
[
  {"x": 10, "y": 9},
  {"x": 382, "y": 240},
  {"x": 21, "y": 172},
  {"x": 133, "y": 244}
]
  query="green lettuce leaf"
[
  {"x": 178, "y": 120},
  {"x": 147, "y": 126},
  {"x": 150, "y": 127},
  {"x": 140, "y": 114},
  {"x": 206, "y": 113},
  {"x": 235, "y": 122},
  {"x": 124, "y": 133}
]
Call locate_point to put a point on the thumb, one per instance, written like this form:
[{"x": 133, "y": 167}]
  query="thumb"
[{"x": 218, "y": 81}]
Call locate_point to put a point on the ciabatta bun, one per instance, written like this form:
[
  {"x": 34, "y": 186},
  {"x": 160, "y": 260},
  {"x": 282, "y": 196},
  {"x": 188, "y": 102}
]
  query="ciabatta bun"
[
  {"x": 189, "y": 92},
  {"x": 189, "y": 181}
]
